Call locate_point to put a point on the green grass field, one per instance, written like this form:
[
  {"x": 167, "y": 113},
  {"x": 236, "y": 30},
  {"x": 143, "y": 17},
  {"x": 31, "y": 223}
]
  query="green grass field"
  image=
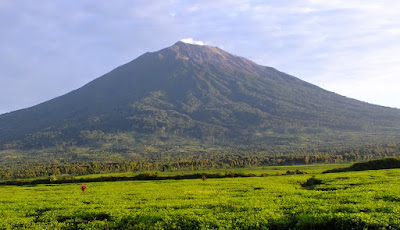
[{"x": 347, "y": 200}]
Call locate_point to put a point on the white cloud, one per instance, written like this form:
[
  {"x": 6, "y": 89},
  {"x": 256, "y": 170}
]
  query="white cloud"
[{"x": 192, "y": 41}]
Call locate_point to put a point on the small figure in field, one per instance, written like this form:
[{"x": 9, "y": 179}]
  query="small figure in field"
[
  {"x": 204, "y": 177},
  {"x": 83, "y": 188},
  {"x": 232, "y": 175}
]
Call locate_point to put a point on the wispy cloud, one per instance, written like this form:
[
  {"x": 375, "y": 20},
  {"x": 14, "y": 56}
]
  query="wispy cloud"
[{"x": 192, "y": 41}]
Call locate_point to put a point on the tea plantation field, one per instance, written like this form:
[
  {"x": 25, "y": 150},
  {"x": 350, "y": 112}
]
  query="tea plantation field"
[{"x": 345, "y": 200}]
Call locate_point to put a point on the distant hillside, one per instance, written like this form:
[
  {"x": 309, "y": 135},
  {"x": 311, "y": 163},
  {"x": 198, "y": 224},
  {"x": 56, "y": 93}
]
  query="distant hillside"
[{"x": 198, "y": 96}]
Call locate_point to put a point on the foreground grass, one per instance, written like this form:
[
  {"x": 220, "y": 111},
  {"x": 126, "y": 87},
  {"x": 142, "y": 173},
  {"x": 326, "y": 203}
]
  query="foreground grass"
[{"x": 347, "y": 200}]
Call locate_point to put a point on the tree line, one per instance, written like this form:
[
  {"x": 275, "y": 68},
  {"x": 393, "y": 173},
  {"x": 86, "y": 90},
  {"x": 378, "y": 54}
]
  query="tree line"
[{"x": 187, "y": 162}]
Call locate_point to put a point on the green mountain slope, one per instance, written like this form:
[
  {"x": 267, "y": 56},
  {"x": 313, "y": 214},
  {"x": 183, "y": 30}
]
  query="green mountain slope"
[{"x": 199, "y": 94}]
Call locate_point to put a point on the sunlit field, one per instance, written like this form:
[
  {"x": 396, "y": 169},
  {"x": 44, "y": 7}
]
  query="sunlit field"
[{"x": 351, "y": 200}]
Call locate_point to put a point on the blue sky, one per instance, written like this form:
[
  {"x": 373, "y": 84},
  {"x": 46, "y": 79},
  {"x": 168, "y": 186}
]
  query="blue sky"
[{"x": 51, "y": 47}]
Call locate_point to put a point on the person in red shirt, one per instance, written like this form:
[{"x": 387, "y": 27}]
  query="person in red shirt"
[{"x": 83, "y": 188}]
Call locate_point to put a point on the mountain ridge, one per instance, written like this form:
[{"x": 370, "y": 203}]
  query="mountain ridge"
[{"x": 196, "y": 92}]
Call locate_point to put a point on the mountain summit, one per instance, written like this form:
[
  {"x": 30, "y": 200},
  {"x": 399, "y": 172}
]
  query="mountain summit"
[
  {"x": 200, "y": 95},
  {"x": 201, "y": 54}
]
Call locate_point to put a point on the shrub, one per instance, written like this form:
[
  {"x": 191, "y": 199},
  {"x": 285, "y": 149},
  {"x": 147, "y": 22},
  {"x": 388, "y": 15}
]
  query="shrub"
[{"x": 311, "y": 182}]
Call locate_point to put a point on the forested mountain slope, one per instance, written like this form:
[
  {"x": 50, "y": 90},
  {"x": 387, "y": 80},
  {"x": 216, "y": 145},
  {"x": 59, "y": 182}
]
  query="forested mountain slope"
[{"x": 199, "y": 94}]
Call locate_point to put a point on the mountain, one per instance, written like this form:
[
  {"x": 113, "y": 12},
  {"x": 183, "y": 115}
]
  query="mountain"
[{"x": 201, "y": 96}]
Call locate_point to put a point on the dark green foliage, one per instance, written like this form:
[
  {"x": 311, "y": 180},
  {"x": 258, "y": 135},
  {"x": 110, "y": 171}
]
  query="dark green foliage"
[
  {"x": 294, "y": 172},
  {"x": 142, "y": 176},
  {"x": 387, "y": 163},
  {"x": 311, "y": 182}
]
